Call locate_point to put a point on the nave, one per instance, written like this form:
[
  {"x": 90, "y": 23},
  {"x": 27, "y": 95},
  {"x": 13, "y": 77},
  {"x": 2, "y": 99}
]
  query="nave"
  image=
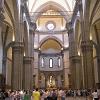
[{"x": 49, "y": 44}]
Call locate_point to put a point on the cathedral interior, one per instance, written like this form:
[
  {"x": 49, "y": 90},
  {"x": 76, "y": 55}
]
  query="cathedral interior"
[{"x": 49, "y": 44}]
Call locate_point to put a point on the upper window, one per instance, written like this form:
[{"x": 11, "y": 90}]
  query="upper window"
[
  {"x": 59, "y": 62},
  {"x": 42, "y": 62},
  {"x": 50, "y": 62}
]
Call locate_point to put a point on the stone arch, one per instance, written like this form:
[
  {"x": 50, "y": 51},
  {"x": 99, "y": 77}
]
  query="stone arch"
[
  {"x": 94, "y": 12},
  {"x": 9, "y": 13},
  {"x": 9, "y": 19},
  {"x": 94, "y": 30},
  {"x": 45, "y": 7},
  {"x": 54, "y": 38}
]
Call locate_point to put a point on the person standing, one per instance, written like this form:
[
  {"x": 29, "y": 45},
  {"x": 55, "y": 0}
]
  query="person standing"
[
  {"x": 27, "y": 96},
  {"x": 36, "y": 95},
  {"x": 95, "y": 95}
]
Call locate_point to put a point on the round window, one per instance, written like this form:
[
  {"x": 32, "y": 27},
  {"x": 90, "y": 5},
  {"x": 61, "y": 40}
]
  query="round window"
[{"x": 50, "y": 26}]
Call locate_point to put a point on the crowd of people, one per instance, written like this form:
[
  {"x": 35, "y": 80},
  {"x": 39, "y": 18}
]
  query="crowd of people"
[{"x": 47, "y": 94}]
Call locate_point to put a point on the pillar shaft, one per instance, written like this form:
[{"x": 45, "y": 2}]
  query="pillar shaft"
[
  {"x": 31, "y": 39},
  {"x": 2, "y": 57},
  {"x": 76, "y": 72},
  {"x": 17, "y": 66},
  {"x": 88, "y": 69},
  {"x": 75, "y": 64},
  {"x": 71, "y": 43},
  {"x": 1, "y": 46},
  {"x": 98, "y": 61},
  {"x": 28, "y": 73},
  {"x": 66, "y": 69}
]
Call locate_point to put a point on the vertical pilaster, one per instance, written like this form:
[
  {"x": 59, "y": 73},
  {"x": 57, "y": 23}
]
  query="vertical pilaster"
[
  {"x": 71, "y": 41},
  {"x": 1, "y": 44},
  {"x": 17, "y": 67},
  {"x": 88, "y": 69},
  {"x": 66, "y": 69},
  {"x": 98, "y": 60},
  {"x": 27, "y": 73},
  {"x": 77, "y": 71},
  {"x": 36, "y": 69},
  {"x": 75, "y": 60},
  {"x": 86, "y": 46},
  {"x": 2, "y": 57},
  {"x": 71, "y": 53},
  {"x": 31, "y": 39},
  {"x": 31, "y": 53}
]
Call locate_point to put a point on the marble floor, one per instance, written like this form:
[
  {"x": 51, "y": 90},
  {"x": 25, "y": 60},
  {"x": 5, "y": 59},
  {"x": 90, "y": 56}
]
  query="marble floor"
[{"x": 79, "y": 98}]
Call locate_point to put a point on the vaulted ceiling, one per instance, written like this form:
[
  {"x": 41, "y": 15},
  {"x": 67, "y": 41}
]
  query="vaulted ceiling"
[
  {"x": 67, "y": 4},
  {"x": 64, "y": 7}
]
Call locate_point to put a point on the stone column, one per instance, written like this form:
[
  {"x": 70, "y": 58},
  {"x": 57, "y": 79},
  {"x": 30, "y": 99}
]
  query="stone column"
[
  {"x": 98, "y": 61},
  {"x": 72, "y": 53},
  {"x": 88, "y": 66},
  {"x": 72, "y": 46},
  {"x": 77, "y": 73},
  {"x": 2, "y": 56},
  {"x": 86, "y": 46},
  {"x": 75, "y": 60},
  {"x": 1, "y": 44},
  {"x": 66, "y": 68},
  {"x": 31, "y": 39},
  {"x": 36, "y": 70},
  {"x": 27, "y": 73},
  {"x": 17, "y": 66},
  {"x": 31, "y": 48}
]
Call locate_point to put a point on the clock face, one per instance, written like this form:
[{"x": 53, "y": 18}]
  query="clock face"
[{"x": 50, "y": 26}]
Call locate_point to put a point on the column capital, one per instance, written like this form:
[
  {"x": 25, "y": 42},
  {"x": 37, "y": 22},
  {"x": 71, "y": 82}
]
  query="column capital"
[
  {"x": 18, "y": 46},
  {"x": 86, "y": 46},
  {"x": 76, "y": 59},
  {"x": 32, "y": 26},
  {"x": 28, "y": 60}
]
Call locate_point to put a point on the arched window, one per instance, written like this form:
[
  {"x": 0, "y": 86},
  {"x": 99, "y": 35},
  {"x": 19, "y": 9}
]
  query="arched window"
[
  {"x": 59, "y": 62},
  {"x": 42, "y": 62},
  {"x": 50, "y": 62}
]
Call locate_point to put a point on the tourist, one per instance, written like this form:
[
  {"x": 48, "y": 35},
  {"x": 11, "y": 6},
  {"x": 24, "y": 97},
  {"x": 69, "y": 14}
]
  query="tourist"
[
  {"x": 54, "y": 95},
  {"x": 95, "y": 95},
  {"x": 36, "y": 95}
]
